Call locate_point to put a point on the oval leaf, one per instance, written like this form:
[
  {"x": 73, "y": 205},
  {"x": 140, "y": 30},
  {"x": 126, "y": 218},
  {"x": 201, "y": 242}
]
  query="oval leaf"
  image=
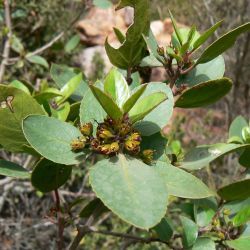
[
  {"x": 239, "y": 244},
  {"x": 51, "y": 138},
  {"x": 236, "y": 191},
  {"x": 128, "y": 186},
  {"x": 182, "y": 184},
  {"x": 48, "y": 176},
  {"x": 38, "y": 60},
  {"x": 12, "y": 169},
  {"x": 204, "y": 93},
  {"x": 11, "y": 136},
  {"x": 203, "y": 243},
  {"x": 236, "y": 127}
]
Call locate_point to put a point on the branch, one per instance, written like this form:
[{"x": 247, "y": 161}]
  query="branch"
[
  {"x": 6, "y": 50},
  {"x": 60, "y": 220}
]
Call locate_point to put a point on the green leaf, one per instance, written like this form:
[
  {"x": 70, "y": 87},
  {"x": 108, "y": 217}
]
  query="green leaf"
[
  {"x": 164, "y": 229},
  {"x": 145, "y": 105},
  {"x": 159, "y": 117},
  {"x": 47, "y": 94},
  {"x": 190, "y": 231},
  {"x": 12, "y": 169},
  {"x": 236, "y": 206},
  {"x": 69, "y": 88},
  {"x": 204, "y": 93},
  {"x": 62, "y": 74},
  {"x": 127, "y": 186},
  {"x": 242, "y": 217},
  {"x": 246, "y": 134},
  {"x": 37, "y": 60},
  {"x": 204, "y": 211},
  {"x": 182, "y": 184},
  {"x": 116, "y": 86},
  {"x": 121, "y": 38},
  {"x": 51, "y": 138},
  {"x": 203, "y": 38},
  {"x": 133, "y": 49},
  {"x": 91, "y": 110},
  {"x": 62, "y": 112},
  {"x": 16, "y": 44},
  {"x": 235, "y": 191},
  {"x": 74, "y": 112},
  {"x": 177, "y": 31},
  {"x": 222, "y": 44},
  {"x": 131, "y": 101},
  {"x": 212, "y": 70},
  {"x": 153, "y": 47},
  {"x": 48, "y": 176},
  {"x": 72, "y": 43},
  {"x": 202, "y": 156},
  {"x": 185, "y": 47},
  {"x": 107, "y": 103},
  {"x": 95, "y": 208},
  {"x": 103, "y": 4},
  {"x": 236, "y": 127},
  {"x": 11, "y": 135},
  {"x": 239, "y": 244},
  {"x": 19, "y": 85},
  {"x": 244, "y": 159},
  {"x": 203, "y": 243}
]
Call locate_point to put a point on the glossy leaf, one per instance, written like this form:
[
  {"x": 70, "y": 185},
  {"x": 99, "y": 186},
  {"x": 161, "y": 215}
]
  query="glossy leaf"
[
  {"x": 244, "y": 159},
  {"x": 131, "y": 101},
  {"x": 203, "y": 243},
  {"x": 62, "y": 74},
  {"x": 133, "y": 49},
  {"x": 164, "y": 229},
  {"x": 72, "y": 43},
  {"x": 222, "y": 44},
  {"x": 107, "y": 103},
  {"x": 127, "y": 186},
  {"x": 242, "y": 217},
  {"x": 11, "y": 135},
  {"x": 202, "y": 156},
  {"x": 51, "y": 138},
  {"x": 145, "y": 105},
  {"x": 121, "y": 38},
  {"x": 47, "y": 94},
  {"x": 204, "y": 93},
  {"x": 48, "y": 176},
  {"x": 236, "y": 127},
  {"x": 116, "y": 86},
  {"x": 177, "y": 32},
  {"x": 203, "y": 38},
  {"x": 159, "y": 117},
  {"x": 91, "y": 110},
  {"x": 212, "y": 70},
  {"x": 239, "y": 244},
  {"x": 190, "y": 231},
  {"x": 235, "y": 191},
  {"x": 182, "y": 184},
  {"x": 12, "y": 169},
  {"x": 204, "y": 211},
  {"x": 37, "y": 60},
  {"x": 69, "y": 88},
  {"x": 19, "y": 85}
]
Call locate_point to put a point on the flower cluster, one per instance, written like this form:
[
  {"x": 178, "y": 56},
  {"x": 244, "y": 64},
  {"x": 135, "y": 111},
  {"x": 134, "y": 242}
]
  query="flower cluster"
[{"x": 112, "y": 137}]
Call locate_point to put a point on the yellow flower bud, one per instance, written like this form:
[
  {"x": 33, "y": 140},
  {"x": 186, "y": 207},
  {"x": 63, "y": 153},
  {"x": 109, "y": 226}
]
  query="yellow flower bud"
[
  {"x": 104, "y": 133},
  {"x": 105, "y": 149},
  {"x": 78, "y": 144},
  {"x": 221, "y": 235},
  {"x": 148, "y": 155},
  {"x": 114, "y": 147},
  {"x": 86, "y": 129},
  {"x": 160, "y": 51},
  {"x": 226, "y": 211}
]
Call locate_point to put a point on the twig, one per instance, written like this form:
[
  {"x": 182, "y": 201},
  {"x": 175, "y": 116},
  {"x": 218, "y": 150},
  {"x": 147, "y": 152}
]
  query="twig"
[
  {"x": 6, "y": 50},
  {"x": 60, "y": 220}
]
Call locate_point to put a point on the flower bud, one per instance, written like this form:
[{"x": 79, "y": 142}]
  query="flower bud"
[
  {"x": 78, "y": 144},
  {"x": 104, "y": 149},
  {"x": 125, "y": 129},
  {"x": 226, "y": 211},
  {"x": 132, "y": 146},
  {"x": 135, "y": 137},
  {"x": 104, "y": 133},
  {"x": 114, "y": 147},
  {"x": 86, "y": 129},
  {"x": 221, "y": 235},
  {"x": 95, "y": 144},
  {"x": 160, "y": 51},
  {"x": 148, "y": 155}
]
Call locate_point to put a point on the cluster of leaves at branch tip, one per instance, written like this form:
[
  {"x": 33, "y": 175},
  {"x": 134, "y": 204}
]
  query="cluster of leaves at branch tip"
[{"x": 112, "y": 137}]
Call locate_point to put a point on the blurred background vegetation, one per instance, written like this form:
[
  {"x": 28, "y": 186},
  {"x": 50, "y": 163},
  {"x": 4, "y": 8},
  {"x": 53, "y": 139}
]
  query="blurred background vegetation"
[{"x": 35, "y": 23}]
